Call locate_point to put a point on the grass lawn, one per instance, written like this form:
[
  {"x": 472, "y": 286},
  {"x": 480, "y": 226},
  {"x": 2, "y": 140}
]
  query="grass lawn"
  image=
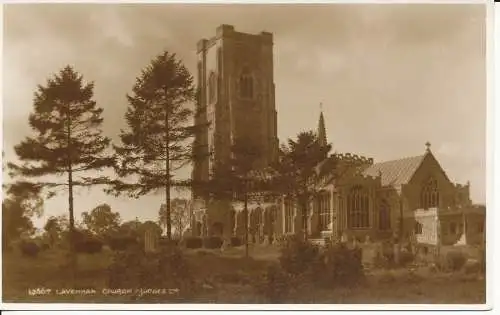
[{"x": 227, "y": 277}]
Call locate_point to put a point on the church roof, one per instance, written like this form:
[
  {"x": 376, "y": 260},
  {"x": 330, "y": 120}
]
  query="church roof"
[{"x": 396, "y": 172}]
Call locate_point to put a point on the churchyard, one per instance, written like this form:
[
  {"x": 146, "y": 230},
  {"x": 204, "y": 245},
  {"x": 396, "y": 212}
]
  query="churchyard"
[{"x": 226, "y": 276}]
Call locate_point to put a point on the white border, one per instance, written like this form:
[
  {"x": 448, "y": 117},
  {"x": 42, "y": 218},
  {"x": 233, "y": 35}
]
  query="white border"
[{"x": 493, "y": 138}]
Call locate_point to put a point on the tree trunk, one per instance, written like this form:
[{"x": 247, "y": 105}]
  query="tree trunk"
[
  {"x": 167, "y": 172},
  {"x": 246, "y": 223},
  {"x": 72, "y": 236}
]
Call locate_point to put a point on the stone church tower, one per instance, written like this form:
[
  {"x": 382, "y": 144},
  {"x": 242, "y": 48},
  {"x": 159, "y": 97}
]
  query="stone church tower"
[
  {"x": 236, "y": 101},
  {"x": 236, "y": 86}
]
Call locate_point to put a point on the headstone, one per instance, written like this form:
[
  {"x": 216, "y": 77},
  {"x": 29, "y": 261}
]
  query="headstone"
[
  {"x": 344, "y": 238},
  {"x": 150, "y": 241}
]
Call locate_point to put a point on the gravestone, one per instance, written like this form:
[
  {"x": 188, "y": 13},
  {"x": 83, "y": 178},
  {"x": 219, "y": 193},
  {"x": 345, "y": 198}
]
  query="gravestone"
[{"x": 151, "y": 241}]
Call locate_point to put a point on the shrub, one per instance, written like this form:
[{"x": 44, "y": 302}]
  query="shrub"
[
  {"x": 29, "y": 249},
  {"x": 212, "y": 242},
  {"x": 45, "y": 246},
  {"x": 405, "y": 258},
  {"x": 122, "y": 242},
  {"x": 297, "y": 255},
  {"x": 236, "y": 241},
  {"x": 274, "y": 285},
  {"x": 340, "y": 266},
  {"x": 454, "y": 261},
  {"x": 89, "y": 246},
  {"x": 164, "y": 241},
  {"x": 193, "y": 242},
  {"x": 165, "y": 269}
]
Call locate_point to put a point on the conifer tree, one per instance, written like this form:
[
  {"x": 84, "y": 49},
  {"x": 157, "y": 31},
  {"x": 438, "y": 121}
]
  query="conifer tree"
[
  {"x": 67, "y": 139},
  {"x": 300, "y": 171},
  {"x": 158, "y": 140}
]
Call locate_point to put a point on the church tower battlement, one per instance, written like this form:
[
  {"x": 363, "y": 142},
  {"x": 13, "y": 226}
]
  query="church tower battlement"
[{"x": 235, "y": 76}]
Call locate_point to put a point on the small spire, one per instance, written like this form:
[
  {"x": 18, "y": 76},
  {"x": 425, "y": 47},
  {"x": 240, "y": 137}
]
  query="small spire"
[
  {"x": 321, "y": 128},
  {"x": 428, "y": 146}
]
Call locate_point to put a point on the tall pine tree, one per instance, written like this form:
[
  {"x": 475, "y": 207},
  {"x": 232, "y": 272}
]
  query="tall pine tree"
[
  {"x": 68, "y": 139},
  {"x": 300, "y": 171},
  {"x": 158, "y": 140}
]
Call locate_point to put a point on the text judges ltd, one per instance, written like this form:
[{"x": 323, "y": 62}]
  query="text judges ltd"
[{"x": 104, "y": 291}]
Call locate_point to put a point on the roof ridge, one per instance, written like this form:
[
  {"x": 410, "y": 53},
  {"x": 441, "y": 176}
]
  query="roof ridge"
[{"x": 400, "y": 159}]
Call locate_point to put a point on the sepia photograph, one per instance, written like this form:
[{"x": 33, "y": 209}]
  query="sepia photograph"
[{"x": 197, "y": 153}]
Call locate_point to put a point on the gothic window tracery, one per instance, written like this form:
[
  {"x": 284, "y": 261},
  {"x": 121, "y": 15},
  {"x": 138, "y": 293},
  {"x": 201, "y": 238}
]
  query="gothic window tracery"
[
  {"x": 358, "y": 208},
  {"x": 430, "y": 194}
]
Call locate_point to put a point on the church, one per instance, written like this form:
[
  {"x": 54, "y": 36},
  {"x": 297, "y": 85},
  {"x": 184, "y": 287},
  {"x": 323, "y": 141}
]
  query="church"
[{"x": 411, "y": 197}]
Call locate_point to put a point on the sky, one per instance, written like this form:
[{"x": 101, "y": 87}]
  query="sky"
[{"x": 390, "y": 76}]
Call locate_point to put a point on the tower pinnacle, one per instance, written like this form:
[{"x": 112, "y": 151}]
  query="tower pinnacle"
[{"x": 321, "y": 128}]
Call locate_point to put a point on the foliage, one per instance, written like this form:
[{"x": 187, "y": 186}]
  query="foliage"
[
  {"x": 101, "y": 221},
  {"x": 29, "y": 249},
  {"x": 179, "y": 213},
  {"x": 452, "y": 261},
  {"x": 275, "y": 285},
  {"x": 89, "y": 246},
  {"x": 193, "y": 242},
  {"x": 236, "y": 241},
  {"x": 166, "y": 269},
  {"x": 54, "y": 227},
  {"x": 341, "y": 266},
  {"x": 299, "y": 172},
  {"x": 122, "y": 242},
  {"x": 297, "y": 255},
  {"x": 165, "y": 242},
  {"x": 405, "y": 258},
  {"x": 68, "y": 139},
  {"x": 21, "y": 204},
  {"x": 212, "y": 242},
  {"x": 156, "y": 142}
]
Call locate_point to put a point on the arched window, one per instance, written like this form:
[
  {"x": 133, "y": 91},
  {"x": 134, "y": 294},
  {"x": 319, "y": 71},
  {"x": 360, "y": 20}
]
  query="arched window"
[
  {"x": 384, "y": 216},
  {"x": 212, "y": 88},
  {"x": 246, "y": 84},
  {"x": 429, "y": 197},
  {"x": 289, "y": 214},
  {"x": 358, "y": 209},
  {"x": 324, "y": 210}
]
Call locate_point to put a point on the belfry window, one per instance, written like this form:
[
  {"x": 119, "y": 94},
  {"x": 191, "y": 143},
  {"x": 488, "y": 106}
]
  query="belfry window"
[
  {"x": 246, "y": 84},
  {"x": 429, "y": 197},
  {"x": 358, "y": 209}
]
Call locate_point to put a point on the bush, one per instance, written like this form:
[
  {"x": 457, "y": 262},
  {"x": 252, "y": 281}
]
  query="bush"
[
  {"x": 89, "y": 246},
  {"x": 454, "y": 261},
  {"x": 274, "y": 285},
  {"x": 164, "y": 241},
  {"x": 212, "y": 242},
  {"x": 340, "y": 266},
  {"x": 297, "y": 255},
  {"x": 405, "y": 258},
  {"x": 193, "y": 242},
  {"x": 29, "y": 249},
  {"x": 45, "y": 246},
  {"x": 122, "y": 242},
  {"x": 165, "y": 269},
  {"x": 236, "y": 241}
]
